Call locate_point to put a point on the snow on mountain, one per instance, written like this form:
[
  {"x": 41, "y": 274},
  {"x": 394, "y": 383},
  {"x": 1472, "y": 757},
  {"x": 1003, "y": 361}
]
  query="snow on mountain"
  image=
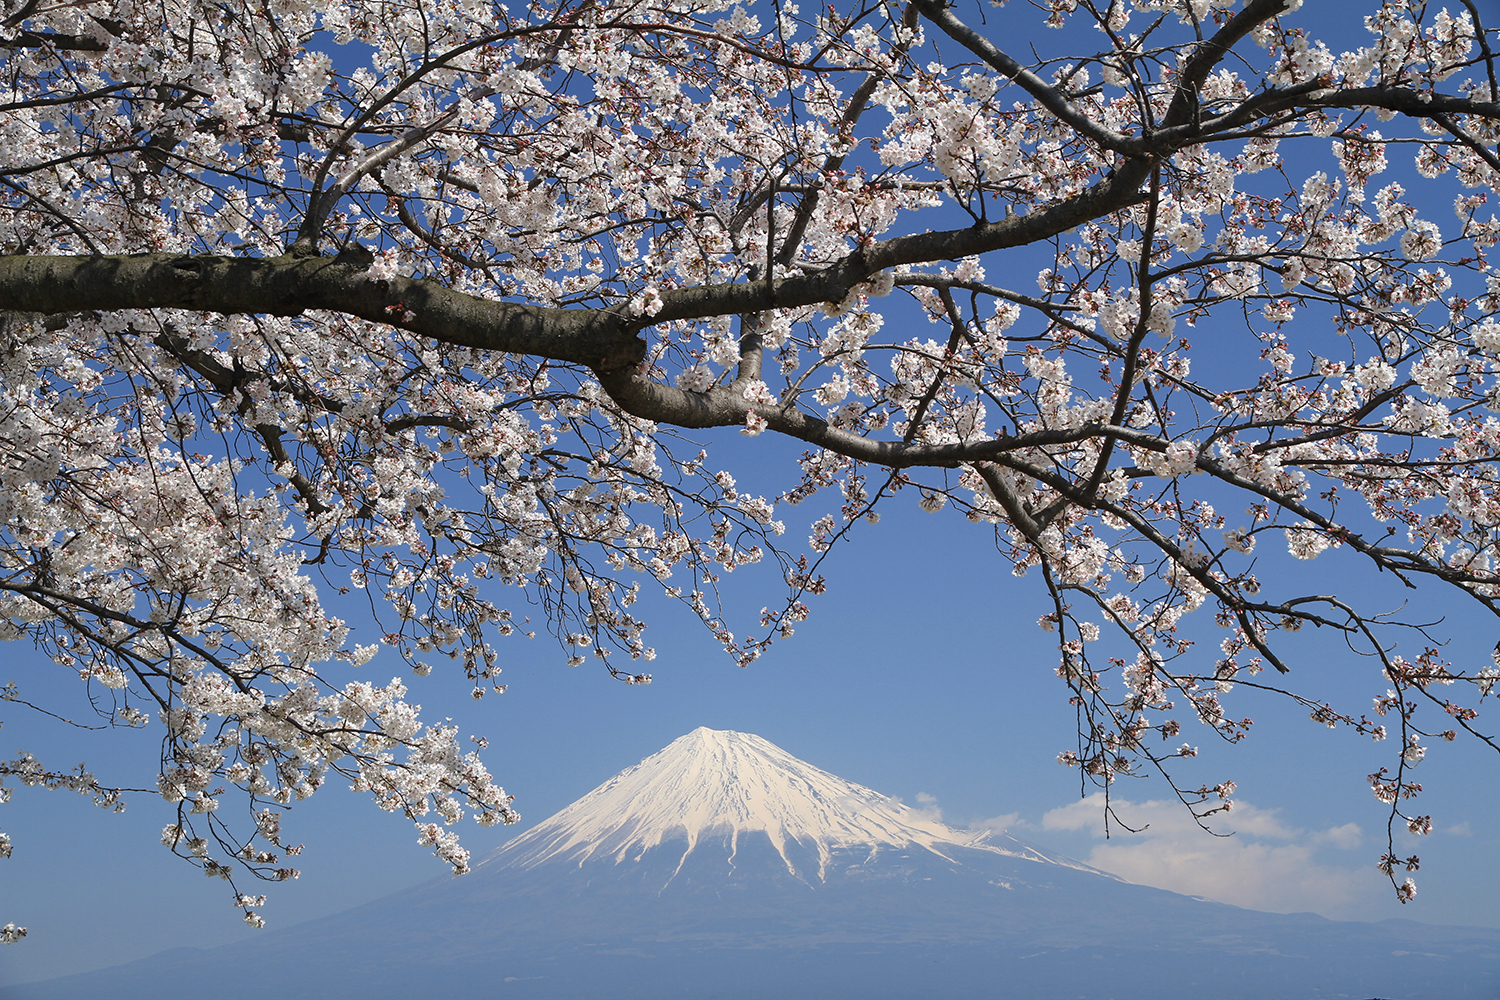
[{"x": 724, "y": 785}]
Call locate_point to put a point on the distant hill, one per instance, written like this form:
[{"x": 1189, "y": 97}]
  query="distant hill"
[{"x": 723, "y": 867}]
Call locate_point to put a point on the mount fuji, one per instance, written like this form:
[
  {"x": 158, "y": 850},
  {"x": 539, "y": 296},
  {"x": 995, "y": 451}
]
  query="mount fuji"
[
  {"x": 724, "y": 867},
  {"x": 712, "y": 788}
]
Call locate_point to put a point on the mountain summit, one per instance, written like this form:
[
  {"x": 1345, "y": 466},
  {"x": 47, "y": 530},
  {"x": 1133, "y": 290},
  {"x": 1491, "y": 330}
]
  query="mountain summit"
[
  {"x": 724, "y": 868},
  {"x": 718, "y": 786}
]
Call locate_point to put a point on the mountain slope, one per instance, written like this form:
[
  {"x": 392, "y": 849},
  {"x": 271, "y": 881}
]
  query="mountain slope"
[
  {"x": 723, "y": 867},
  {"x": 715, "y": 783}
]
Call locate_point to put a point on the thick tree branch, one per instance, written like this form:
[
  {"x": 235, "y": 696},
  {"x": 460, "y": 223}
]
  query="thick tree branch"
[{"x": 290, "y": 285}]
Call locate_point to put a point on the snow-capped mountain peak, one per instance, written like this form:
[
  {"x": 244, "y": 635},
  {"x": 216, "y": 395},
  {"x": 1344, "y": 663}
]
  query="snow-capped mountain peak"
[{"x": 728, "y": 784}]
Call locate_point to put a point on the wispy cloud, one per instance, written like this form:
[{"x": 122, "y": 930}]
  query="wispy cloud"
[
  {"x": 1346, "y": 837},
  {"x": 1264, "y": 865},
  {"x": 1000, "y": 824},
  {"x": 928, "y": 809}
]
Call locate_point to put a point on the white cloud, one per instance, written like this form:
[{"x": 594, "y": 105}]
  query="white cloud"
[
  {"x": 1264, "y": 865},
  {"x": 999, "y": 824},
  {"x": 927, "y": 807},
  {"x": 1346, "y": 837},
  {"x": 1459, "y": 829}
]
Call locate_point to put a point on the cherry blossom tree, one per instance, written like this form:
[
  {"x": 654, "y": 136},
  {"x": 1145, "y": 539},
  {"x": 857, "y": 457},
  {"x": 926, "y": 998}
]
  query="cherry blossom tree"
[{"x": 411, "y": 300}]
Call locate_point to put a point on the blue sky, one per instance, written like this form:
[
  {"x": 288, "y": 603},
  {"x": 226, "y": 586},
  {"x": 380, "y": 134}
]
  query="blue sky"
[{"x": 921, "y": 674}]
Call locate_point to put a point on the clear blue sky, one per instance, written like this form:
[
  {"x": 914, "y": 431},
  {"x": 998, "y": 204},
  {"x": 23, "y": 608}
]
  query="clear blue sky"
[{"x": 921, "y": 674}]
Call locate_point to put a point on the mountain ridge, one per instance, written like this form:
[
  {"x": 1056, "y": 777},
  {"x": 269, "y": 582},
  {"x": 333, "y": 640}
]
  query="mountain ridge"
[
  {"x": 723, "y": 868},
  {"x": 711, "y": 782}
]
